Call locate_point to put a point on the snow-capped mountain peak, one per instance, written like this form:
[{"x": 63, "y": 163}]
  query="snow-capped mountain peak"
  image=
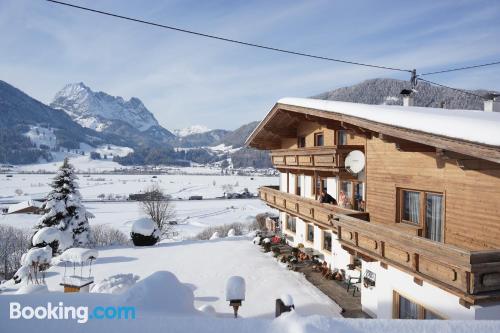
[
  {"x": 194, "y": 129},
  {"x": 98, "y": 110}
]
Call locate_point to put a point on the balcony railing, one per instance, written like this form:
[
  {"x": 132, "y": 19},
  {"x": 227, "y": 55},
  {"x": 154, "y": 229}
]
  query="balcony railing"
[
  {"x": 318, "y": 158},
  {"x": 474, "y": 276}
]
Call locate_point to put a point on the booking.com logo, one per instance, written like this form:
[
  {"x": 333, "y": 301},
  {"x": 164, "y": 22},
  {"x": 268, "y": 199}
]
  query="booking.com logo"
[{"x": 79, "y": 313}]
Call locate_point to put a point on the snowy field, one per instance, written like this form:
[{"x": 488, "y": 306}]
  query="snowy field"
[
  {"x": 193, "y": 216},
  {"x": 35, "y": 186}
]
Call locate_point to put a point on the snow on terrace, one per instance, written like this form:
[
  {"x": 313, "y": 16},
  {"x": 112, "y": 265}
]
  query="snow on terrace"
[{"x": 470, "y": 125}]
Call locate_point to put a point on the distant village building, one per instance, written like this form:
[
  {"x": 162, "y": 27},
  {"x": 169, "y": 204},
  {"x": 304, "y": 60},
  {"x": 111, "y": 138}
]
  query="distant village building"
[
  {"x": 404, "y": 197},
  {"x": 26, "y": 207}
]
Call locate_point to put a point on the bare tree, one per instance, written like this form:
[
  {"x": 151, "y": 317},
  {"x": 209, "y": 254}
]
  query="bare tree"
[{"x": 159, "y": 208}]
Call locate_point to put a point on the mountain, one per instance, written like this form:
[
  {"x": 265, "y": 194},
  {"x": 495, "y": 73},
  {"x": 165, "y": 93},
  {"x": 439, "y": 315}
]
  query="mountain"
[
  {"x": 386, "y": 91},
  {"x": 104, "y": 113},
  {"x": 194, "y": 129},
  {"x": 203, "y": 139},
  {"x": 19, "y": 113},
  {"x": 238, "y": 137}
]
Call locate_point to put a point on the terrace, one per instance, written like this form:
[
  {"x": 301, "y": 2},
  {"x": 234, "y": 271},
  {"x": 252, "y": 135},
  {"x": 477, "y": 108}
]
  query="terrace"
[{"x": 474, "y": 276}]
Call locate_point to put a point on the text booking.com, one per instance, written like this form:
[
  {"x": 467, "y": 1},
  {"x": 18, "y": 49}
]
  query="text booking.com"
[{"x": 81, "y": 314}]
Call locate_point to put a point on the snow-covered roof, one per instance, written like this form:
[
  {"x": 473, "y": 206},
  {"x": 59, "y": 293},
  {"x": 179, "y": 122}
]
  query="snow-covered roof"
[
  {"x": 23, "y": 205},
  {"x": 468, "y": 132},
  {"x": 469, "y": 125},
  {"x": 78, "y": 255}
]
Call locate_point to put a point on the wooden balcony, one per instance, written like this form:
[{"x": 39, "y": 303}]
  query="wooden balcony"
[
  {"x": 325, "y": 158},
  {"x": 474, "y": 276}
]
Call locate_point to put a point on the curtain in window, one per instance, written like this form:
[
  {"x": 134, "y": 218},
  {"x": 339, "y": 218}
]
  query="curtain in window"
[
  {"x": 434, "y": 217},
  {"x": 407, "y": 309},
  {"x": 411, "y": 212}
]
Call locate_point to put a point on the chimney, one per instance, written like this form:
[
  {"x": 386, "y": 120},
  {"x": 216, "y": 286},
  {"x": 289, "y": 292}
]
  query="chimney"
[
  {"x": 492, "y": 103},
  {"x": 407, "y": 97}
]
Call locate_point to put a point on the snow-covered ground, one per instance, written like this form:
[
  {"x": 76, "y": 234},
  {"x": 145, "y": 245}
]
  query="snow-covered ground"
[
  {"x": 206, "y": 266},
  {"x": 179, "y": 186},
  {"x": 193, "y": 216}
]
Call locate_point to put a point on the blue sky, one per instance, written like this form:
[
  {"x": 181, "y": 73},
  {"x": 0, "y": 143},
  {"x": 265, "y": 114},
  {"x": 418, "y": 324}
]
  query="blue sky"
[{"x": 187, "y": 80}]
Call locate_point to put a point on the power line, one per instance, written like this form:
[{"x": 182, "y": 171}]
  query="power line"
[
  {"x": 459, "y": 90},
  {"x": 228, "y": 39},
  {"x": 461, "y": 68}
]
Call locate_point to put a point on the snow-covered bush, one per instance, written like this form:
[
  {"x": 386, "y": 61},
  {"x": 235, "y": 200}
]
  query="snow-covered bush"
[
  {"x": 207, "y": 309},
  {"x": 215, "y": 235},
  {"x": 205, "y": 234},
  {"x": 231, "y": 233},
  {"x": 33, "y": 262},
  {"x": 144, "y": 232},
  {"x": 64, "y": 209},
  {"x": 103, "y": 235},
  {"x": 159, "y": 208},
  {"x": 52, "y": 237},
  {"x": 235, "y": 288},
  {"x": 13, "y": 243},
  {"x": 257, "y": 240},
  {"x": 115, "y": 284}
]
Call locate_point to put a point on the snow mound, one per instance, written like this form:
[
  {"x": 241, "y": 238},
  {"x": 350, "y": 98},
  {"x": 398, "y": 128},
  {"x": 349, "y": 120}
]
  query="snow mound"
[
  {"x": 144, "y": 226},
  {"x": 161, "y": 292},
  {"x": 79, "y": 255},
  {"x": 215, "y": 235},
  {"x": 235, "y": 288},
  {"x": 266, "y": 240},
  {"x": 287, "y": 299},
  {"x": 115, "y": 284},
  {"x": 37, "y": 256},
  {"x": 48, "y": 235},
  {"x": 231, "y": 233},
  {"x": 207, "y": 309},
  {"x": 32, "y": 289}
]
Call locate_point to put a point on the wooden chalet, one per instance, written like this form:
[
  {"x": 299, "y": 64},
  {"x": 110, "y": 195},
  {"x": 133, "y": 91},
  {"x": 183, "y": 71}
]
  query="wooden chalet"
[{"x": 423, "y": 214}]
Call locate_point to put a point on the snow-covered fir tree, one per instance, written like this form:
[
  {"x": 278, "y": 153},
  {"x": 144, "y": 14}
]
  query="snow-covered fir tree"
[{"x": 65, "y": 211}]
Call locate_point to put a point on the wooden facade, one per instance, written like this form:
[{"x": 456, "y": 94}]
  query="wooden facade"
[{"x": 466, "y": 175}]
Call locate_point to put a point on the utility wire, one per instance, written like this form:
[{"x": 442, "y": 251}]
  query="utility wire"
[
  {"x": 228, "y": 39},
  {"x": 459, "y": 90},
  {"x": 461, "y": 68}
]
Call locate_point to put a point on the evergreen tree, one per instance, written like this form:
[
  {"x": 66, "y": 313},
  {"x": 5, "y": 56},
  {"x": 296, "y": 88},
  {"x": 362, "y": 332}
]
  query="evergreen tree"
[{"x": 65, "y": 211}]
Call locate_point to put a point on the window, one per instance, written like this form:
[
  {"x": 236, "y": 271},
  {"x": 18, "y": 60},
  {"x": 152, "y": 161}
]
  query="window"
[
  {"x": 310, "y": 233},
  {"x": 341, "y": 137},
  {"x": 434, "y": 217},
  {"x": 327, "y": 241},
  {"x": 319, "y": 139},
  {"x": 291, "y": 223},
  {"x": 405, "y": 308},
  {"x": 411, "y": 207},
  {"x": 424, "y": 210},
  {"x": 301, "y": 142}
]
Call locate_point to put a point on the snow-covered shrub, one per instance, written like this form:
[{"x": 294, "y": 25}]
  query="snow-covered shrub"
[
  {"x": 231, "y": 233},
  {"x": 103, "y": 235},
  {"x": 144, "y": 232},
  {"x": 207, "y": 309},
  {"x": 235, "y": 288},
  {"x": 33, "y": 262},
  {"x": 13, "y": 243},
  {"x": 52, "y": 237},
  {"x": 161, "y": 293},
  {"x": 215, "y": 235},
  {"x": 257, "y": 240},
  {"x": 115, "y": 284},
  {"x": 159, "y": 208},
  {"x": 238, "y": 228},
  {"x": 64, "y": 209}
]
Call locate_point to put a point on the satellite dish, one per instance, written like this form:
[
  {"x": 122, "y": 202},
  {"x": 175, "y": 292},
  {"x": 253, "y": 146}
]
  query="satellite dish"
[{"x": 355, "y": 161}]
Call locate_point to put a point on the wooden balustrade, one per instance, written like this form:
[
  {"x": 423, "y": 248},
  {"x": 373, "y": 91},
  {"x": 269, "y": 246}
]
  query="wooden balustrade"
[
  {"x": 474, "y": 276},
  {"x": 317, "y": 158}
]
